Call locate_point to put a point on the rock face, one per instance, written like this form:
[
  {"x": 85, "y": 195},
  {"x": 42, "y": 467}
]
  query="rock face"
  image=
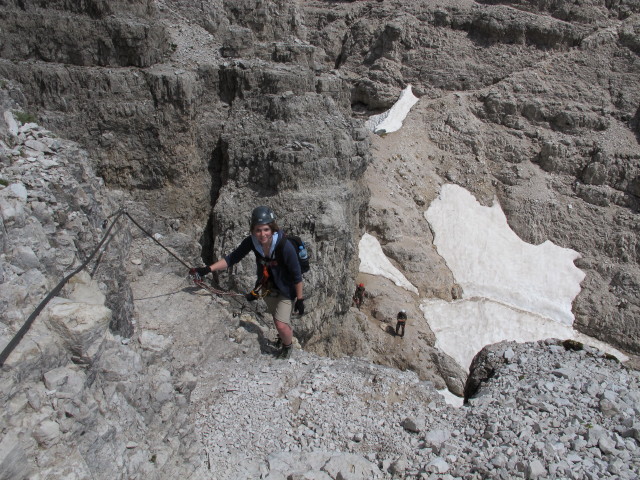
[
  {"x": 204, "y": 111},
  {"x": 265, "y": 127},
  {"x": 191, "y": 114},
  {"x": 84, "y": 33},
  {"x": 53, "y": 210},
  {"x": 76, "y": 399},
  {"x": 524, "y": 125}
]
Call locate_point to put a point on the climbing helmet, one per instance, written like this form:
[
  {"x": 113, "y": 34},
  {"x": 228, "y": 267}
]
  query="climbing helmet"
[{"x": 262, "y": 216}]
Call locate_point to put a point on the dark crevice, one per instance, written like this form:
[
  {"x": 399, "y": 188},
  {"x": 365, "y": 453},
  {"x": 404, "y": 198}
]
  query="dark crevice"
[{"x": 218, "y": 170}]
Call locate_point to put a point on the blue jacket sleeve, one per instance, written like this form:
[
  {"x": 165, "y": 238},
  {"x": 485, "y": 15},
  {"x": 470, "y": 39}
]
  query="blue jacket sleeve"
[{"x": 240, "y": 252}]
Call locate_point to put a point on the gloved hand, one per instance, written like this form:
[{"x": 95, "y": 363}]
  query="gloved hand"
[
  {"x": 251, "y": 296},
  {"x": 299, "y": 306},
  {"x": 201, "y": 271}
]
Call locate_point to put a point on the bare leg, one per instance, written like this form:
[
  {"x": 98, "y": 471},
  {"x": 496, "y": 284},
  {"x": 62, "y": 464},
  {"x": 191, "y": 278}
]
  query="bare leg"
[{"x": 285, "y": 332}]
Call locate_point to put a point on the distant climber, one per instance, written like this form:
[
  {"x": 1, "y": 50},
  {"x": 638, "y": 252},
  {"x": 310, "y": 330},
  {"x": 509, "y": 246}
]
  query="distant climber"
[
  {"x": 401, "y": 321},
  {"x": 279, "y": 276},
  {"x": 358, "y": 296}
]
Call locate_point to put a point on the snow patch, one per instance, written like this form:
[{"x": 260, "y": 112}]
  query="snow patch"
[
  {"x": 391, "y": 120},
  {"x": 464, "y": 327},
  {"x": 512, "y": 290},
  {"x": 451, "y": 399},
  {"x": 374, "y": 262},
  {"x": 489, "y": 260}
]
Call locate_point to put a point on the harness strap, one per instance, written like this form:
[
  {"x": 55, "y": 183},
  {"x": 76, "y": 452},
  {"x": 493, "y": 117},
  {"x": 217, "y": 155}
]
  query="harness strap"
[{"x": 262, "y": 287}]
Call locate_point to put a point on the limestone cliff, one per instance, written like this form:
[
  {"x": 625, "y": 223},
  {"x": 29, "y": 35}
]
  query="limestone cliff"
[
  {"x": 191, "y": 113},
  {"x": 204, "y": 110}
]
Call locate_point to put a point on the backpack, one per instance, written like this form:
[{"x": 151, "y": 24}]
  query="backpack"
[{"x": 299, "y": 247}]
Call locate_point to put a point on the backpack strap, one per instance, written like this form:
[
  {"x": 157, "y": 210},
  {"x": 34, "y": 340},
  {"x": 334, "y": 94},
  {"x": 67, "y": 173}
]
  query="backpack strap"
[{"x": 279, "y": 256}]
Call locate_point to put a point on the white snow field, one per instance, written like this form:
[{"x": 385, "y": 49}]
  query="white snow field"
[
  {"x": 374, "y": 262},
  {"x": 512, "y": 290},
  {"x": 392, "y": 119},
  {"x": 489, "y": 260}
]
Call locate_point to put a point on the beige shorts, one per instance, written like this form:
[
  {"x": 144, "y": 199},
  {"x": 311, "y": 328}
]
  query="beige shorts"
[{"x": 279, "y": 306}]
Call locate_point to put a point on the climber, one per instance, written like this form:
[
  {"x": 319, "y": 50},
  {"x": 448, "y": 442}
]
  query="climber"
[
  {"x": 279, "y": 282},
  {"x": 358, "y": 296},
  {"x": 401, "y": 320}
]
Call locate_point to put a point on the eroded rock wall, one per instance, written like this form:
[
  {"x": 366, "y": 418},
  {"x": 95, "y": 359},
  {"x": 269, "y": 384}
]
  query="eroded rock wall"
[
  {"x": 544, "y": 117},
  {"x": 192, "y": 116},
  {"x": 204, "y": 142}
]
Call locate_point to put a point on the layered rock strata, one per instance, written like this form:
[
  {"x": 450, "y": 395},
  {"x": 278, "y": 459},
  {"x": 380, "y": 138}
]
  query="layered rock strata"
[{"x": 194, "y": 105}]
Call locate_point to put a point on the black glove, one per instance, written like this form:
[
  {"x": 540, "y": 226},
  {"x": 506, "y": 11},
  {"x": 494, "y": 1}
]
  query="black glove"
[
  {"x": 299, "y": 306},
  {"x": 251, "y": 296},
  {"x": 200, "y": 271}
]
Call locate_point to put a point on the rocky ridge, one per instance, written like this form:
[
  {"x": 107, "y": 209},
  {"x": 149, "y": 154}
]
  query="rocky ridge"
[{"x": 58, "y": 384}]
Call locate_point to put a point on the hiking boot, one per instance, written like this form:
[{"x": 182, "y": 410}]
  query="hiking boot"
[
  {"x": 278, "y": 342},
  {"x": 285, "y": 352}
]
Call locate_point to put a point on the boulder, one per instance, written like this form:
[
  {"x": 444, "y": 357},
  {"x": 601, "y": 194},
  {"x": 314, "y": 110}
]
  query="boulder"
[
  {"x": 80, "y": 326},
  {"x": 47, "y": 433},
  {"x": 65, "y": 379}
]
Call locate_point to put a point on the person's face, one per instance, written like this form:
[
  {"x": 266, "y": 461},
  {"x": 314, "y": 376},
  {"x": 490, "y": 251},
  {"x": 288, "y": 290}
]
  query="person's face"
[{"x": 263, "y": 233}]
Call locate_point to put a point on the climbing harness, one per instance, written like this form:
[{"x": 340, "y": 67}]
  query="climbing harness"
[{"x": 263, "y": 287}]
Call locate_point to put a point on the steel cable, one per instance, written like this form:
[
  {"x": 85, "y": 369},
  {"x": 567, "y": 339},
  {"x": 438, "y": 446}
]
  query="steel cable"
[{"x": 13, "y": 343}]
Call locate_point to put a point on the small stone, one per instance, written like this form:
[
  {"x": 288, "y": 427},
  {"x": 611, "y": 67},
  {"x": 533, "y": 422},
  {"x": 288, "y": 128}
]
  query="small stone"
[
  {"x": 608, "y": 408},
  {"x": 594, "y": 434},
  {"x": 34, "y": 399},
  {"x": 563, "y": 373},
  {"x": 499, "y": 461},
  {"x": 633, "y": 432},
  {"x": 18, "y": 190},
  {"x": 435, "y": 438},
  {"x": 509, "y": 354},
  {"x": 25, "y": 258},
  {"x": 153, "y": 341},
  {"x": 535, "y": 469},
  {"x": 11, "y": 123},
  {"x": 573, "y": 458},
  {"x": 606, "y": 445},
  {"x": 410, "y": 425},
  {"x": 399, "y": 466},
  {"x": 37, "y": 146},
  {"x": 438, "y": 465},
  {"x": 47, "y": 433}
]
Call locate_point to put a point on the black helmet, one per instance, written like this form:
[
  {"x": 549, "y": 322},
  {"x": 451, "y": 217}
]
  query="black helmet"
[{"x": 261, "y": 216}]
